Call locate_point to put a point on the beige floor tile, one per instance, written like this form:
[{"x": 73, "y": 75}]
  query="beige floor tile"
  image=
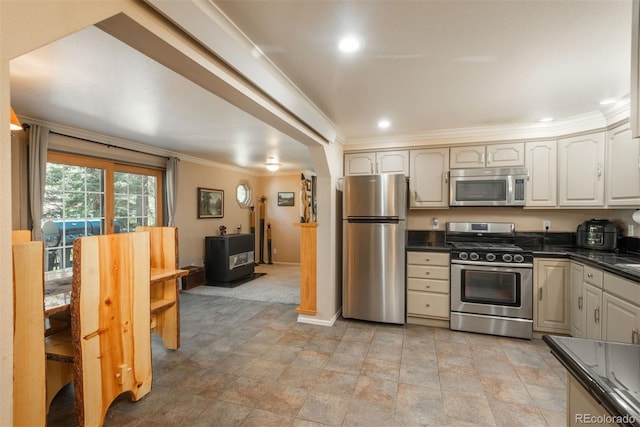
[
  {"x": 283, "y": 400},
  {"x": 324, "y": 408},
  {"x": 251, "y": 363},
  {"x": 513, "y": 415},
  {"x": 376, "y": 391},
  {"x": 471, "y": 408}
]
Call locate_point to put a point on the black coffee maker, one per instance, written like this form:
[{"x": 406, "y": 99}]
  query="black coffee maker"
[{"x": 600, "y": 234}]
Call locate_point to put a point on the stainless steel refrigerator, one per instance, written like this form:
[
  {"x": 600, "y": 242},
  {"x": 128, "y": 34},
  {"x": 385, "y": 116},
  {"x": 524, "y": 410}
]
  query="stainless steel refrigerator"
[{"x": 374, "y": 212}]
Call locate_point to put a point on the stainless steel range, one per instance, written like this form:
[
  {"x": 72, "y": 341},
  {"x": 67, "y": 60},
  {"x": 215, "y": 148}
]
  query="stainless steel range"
[{"x": 491, "y": 280}]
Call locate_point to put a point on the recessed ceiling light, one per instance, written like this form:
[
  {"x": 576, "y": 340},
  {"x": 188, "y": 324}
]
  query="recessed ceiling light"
[
  {"x": 350, "y": 44},
  {"x": 384, "y": 124},
  {"x": 607, "y": 101},
  {"x": 545, "y": 119}
]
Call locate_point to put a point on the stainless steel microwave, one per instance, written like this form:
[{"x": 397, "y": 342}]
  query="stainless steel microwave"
[{"x": 487, "y": 187}]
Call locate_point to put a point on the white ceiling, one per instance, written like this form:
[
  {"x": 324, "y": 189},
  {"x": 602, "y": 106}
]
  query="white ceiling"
[{"x": 426, "y": 66}]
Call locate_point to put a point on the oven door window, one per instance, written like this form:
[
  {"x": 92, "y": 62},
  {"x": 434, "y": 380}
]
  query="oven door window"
[
  {"x": 481, "y": 190},
  {"x": 491, "y": 287}
]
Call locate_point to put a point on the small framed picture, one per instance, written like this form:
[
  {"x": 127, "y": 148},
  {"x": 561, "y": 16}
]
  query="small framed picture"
[
  {"x": 210, "y": 203},
  {"x": 286, "y": 198}
]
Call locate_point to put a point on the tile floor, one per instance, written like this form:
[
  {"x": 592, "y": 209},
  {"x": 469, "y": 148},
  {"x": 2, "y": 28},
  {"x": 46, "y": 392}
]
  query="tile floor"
[{"x": 249, "y": 363}]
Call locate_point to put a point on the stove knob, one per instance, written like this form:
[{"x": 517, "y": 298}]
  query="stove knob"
[
  {"x": 518, "y": 258},
  {"x": 463, "y": 255},
  {"x": 490, "y": 257},
  {"x": 506, "y": 258},
  {"x": 474, "y": 256}
]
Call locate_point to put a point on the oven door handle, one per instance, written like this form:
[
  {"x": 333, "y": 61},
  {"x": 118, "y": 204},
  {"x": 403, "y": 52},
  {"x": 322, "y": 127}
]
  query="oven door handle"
[{"x": 492, "y": 264}]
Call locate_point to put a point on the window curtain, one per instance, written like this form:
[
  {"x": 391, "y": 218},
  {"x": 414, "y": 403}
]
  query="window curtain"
[
  {"x": 38, "y": 145},
  {"x": 171, "y": 189}
]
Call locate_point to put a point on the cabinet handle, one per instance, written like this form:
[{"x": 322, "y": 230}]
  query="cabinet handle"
[
  {"x": 590, "y": 276},
  {"x": 596, "y": 315},
  {"x": 580, "y": 303},
  {"x": 634, "y": 336},
  {"x": 540, "y": 294},
  {"x": 446, "y": 175},
  {"x": 599, "y": 170},
  {"x": 483, "y": 158},
  {"x": 427, "y": 259},
  {"x": 428, "y": 286},
  {"x": 528, "y": 177},
  {"x": 426, "y": 273}
]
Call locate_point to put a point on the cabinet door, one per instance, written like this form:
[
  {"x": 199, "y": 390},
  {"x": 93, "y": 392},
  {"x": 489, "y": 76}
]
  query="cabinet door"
[
  {"x": 581, "y": 170},
  {"x": 578, "y": 312},
  {"x": 467, "y": 157},
  {"x": 593, "y": 312},
  {"x": 551, "y": 290},
  {"x": 542, "y": 178},
  {"x": 393, "y": 162},
  {"x": 621, "y": 320},
  {"x": 429, "y": 180},
  {"x": 359, "y": 163},
  {"x": 623, "y": 168},
  {"x": 505, "y": 155}
]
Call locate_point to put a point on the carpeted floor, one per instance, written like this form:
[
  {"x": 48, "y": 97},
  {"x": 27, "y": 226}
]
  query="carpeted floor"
[{"x": 281, "y": 283}]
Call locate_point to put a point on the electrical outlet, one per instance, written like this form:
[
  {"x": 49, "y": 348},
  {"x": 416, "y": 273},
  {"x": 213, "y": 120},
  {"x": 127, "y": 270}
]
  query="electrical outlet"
[
  {"x": 546, "y": 225},
  {"x": 275, "y": 251},
  {"x": 630, "y": 230}
]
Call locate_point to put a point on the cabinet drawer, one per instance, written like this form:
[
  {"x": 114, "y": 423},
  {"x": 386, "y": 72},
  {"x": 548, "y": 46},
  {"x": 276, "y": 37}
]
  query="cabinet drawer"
[
  {"x": 428, "y": 258},
  {"x": 425, "y": 272},
  {"x": 625, "y": 289},
  {"x": 428, "y": 304},
  {"x": 428, "y": 285},
  {"x": 593, "y": 276}
]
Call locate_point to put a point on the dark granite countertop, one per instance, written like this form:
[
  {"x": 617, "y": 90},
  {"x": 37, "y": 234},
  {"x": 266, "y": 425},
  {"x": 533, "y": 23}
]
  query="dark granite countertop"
[
  {"x": 552, "y": 245},
  {"x": 609, "y": 371}
]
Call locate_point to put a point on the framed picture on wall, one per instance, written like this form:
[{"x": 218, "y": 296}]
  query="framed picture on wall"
[
  {"x": 286, "y": 198},
  {"x": 210, "y": 203}
]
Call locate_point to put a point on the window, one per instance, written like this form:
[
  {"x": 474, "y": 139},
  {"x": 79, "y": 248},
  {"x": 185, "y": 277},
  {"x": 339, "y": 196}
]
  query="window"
[
  {"x": 86, "y": 196},
  {"x": 243, "y": 194}
]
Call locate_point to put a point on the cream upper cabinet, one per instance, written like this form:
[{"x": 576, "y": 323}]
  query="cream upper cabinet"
[
  {"x": 429, "y": 179},
  {"x": 551, "y": 304},
  {"x": 369, "y": 163},
  {"x": 581, "y": 171},
  {"x": 542, "y": 179},
  {"x": 490, "y": 156},
  {"x": 635, "y": 70},
  {"x": 578, "y": 318},
  {"x": 622, "y": 168}
]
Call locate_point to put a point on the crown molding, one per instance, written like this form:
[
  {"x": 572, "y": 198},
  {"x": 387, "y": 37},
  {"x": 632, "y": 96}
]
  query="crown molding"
[{"x": 580, "y": 123}]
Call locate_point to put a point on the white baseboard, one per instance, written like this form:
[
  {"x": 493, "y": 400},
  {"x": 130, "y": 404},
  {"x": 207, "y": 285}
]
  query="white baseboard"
[{"x": 313, "y": 321}]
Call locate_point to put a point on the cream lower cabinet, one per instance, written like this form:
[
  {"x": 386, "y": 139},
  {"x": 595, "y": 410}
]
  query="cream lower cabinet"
[
  {"x": 429, "y": 179},
  {"x": 577, "y": 300},
  {"x": 551, "y": 306},
  {"x": 582, "y": 407},
  {"x": 592, "y": 291},
  {"x": 620, "y": 313},
  {"x": 428, "y": 286}
]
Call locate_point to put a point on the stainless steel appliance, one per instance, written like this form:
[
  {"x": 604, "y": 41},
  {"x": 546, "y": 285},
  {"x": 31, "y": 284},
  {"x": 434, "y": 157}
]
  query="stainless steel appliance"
[
  {"x": 599, "y": 234},
  {"x": 491, "y": 280},
  {"x": 373, "y": 285},
  {"x": 487, "y": 187}
]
